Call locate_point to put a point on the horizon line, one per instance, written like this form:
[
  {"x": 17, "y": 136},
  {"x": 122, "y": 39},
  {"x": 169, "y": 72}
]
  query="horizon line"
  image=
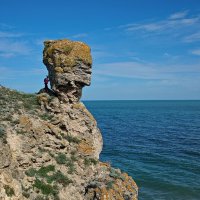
[{"x": 141, "y": 100}]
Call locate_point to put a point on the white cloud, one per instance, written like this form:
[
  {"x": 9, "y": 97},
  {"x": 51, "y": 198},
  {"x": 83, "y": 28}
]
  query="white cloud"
[
  {"x": 139, "y": 70},
  {"x": 6, "y": 55},
  {"x": 192, "y": 38},
  {"x": 4, "y": 26},
  {"x": 177, "y": 25},
  {"x": 13, "y": 73},
  {"x": 164, "y": 25},
  {"x": 9, "y": 43},
  {"x": 80, "y": 35},
  {"x": 13, "y": 48},
  {"x": 4, "y": 34},
  {"x": 178, "y": 15},
  {"x": 196, "y": 52}
]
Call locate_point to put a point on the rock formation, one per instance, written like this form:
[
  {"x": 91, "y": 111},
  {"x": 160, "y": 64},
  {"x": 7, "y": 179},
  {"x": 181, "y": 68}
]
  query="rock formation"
[
  {"x": 50, "y": 143},
  {"x": 69, "y": 65}
]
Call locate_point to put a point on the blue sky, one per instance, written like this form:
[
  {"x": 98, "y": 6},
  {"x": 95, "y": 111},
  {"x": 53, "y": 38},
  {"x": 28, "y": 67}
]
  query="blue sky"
[{"x": 142, "y": 49}]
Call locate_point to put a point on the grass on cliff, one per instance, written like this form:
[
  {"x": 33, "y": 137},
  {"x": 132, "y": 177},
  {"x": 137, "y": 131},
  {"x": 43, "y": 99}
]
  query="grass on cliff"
[
  {"x": 116, "y": 175},
  {"x": 70, "y": 138},
  {"x": 61, "y": 159},
  {"x": 69, "y": 162},
  {"x": 2, "y": 131},
  {"x": 46, "y": 189},
  {"x": 47, "y": 179},
  {"x": 46, "y": 116},
  {"x": 59, "y": 177},
  {"x": 110, "y": 185},
  {"x": 42, "y": 172},
  {"x": 12, "y": 101},
  {"x": 89, "y": 161}
]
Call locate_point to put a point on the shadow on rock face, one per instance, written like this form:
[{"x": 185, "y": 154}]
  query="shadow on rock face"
[{"x": 48, "y": 91}]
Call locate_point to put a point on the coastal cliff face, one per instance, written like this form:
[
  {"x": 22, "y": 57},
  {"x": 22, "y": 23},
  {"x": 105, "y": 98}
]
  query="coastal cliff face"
[{"x": 50, "y": 142}]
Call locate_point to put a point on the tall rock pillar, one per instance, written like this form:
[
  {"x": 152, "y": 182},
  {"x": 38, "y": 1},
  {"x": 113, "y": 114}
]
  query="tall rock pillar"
[{"x": 69, "y": 64}]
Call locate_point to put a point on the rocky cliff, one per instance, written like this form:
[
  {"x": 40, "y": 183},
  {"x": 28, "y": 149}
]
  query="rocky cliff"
[{"x": 50, "y": 142}]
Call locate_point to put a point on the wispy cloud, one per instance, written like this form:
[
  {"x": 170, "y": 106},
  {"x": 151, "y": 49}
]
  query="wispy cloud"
[
  {"x": 10, "y": 48},
  {"x": 7, "y": 55},
  {"x": 16, "y": 72},
  {"x": 155, "y": 71},
  {"x": 177, "y": 24},
  {"x": 11, "y": 43},
  {"x": 5, "y": 34},
  {"x": 4, "y": 26},
  {"x": 163, "y": 25},
  {"x": 192, "y": 38},
  {"x": 80, "y": 35},
  {"x": 196, "y": 52},
  {"x": 179, "y": 15}
]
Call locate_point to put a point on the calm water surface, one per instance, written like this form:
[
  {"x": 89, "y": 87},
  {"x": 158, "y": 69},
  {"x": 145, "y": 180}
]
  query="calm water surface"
[{"x": 156, "y": 142}]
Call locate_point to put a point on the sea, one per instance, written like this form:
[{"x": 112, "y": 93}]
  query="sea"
[{"x": 155, "y": 142}]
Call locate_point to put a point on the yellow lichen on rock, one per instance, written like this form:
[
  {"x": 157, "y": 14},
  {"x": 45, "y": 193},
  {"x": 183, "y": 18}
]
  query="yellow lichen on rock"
[
  {"x": 59, "y": 70},
  {"x": 74, "y": 51},
  {"x": 104, "y": 164},
  {"x": 24, "y": 121},
  {"x": 42, "y": 98},
  {"x": 85, "y": 148}
]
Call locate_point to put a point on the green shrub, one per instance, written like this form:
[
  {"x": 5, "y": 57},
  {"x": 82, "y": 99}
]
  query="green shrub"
[
  {"x": 2, "y": 132},
  {"x": 116, "y": 175},
  {"x": 89, "y": 161},
  {"x": 61, "y": 158},
  {"x": 46, "y": 116},
  {"x": 31, "y": 172},
  {"x": 59, "y": 177},
  {"x": 71, "y": 138},
  {"x": 71, "y": 167},
  {"x": 43, "y": 171},
  {"x": 74, "y": 158},
  {"x": 46, "y": 189},
  {"x": 3, "y": 135},
  {"x": 30, "y": 101},
  {"x": 86, "y": 162},
  {"x": 110, "y": 185},
  {"x": 93, "y": 161},
  {"x": 9, "y": 191}
]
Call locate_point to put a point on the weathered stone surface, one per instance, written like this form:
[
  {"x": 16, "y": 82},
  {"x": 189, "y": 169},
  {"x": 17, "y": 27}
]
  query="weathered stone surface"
[
  {"x": 50, "y": 144},
  {"x": 5, "y": 156},
  {"x": 69, "y": 65}
]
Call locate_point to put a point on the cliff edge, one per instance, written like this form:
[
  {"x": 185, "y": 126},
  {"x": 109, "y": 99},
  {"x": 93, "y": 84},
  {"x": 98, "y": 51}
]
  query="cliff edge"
[{"x": 50, "y": 142}]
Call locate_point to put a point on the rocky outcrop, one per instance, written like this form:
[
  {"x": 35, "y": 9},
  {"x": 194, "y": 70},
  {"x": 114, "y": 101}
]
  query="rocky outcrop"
[
  {"x": 69, "y": 65},
  {"x": 50, "y": 143}
]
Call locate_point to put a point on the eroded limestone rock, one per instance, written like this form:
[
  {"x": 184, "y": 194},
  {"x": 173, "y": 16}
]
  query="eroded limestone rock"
[{"x": 69, "y": 65}]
